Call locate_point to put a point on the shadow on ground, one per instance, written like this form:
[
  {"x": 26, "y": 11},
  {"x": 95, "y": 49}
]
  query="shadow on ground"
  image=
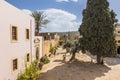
[
  {"x": 76, "y": 71},
  {"x": 112, "y": 61},
  {"x": 108, "y": 60},
  {"x": 58, "y": 61}
]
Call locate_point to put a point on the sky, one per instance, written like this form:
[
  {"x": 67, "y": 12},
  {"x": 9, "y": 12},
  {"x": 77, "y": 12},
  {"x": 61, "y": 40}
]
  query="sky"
[{"x": 64, "y": 15}]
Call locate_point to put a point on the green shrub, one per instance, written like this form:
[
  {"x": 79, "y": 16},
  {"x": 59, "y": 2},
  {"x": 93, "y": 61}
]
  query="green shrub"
[
  {"x": 69, "y": 45},
  {"x": 31, "y": 72},
  {"x": 61, "y": 42},
  {"x": 52, "y": 49},
  {"x": 44, "y": 59}
]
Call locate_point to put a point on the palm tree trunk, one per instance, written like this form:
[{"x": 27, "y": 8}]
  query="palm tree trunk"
[{"x": 37, "y": 31}]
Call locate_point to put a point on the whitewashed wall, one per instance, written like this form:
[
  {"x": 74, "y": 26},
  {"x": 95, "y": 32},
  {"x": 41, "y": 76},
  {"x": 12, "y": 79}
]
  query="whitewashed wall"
[{"x": 9, "y": 15}]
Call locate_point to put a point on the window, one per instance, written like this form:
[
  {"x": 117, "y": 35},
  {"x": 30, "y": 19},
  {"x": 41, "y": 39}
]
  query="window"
[
  {"x": 14, "y": 33},
  {"x": 28, "y": 57},
  {"x": 27, "y": 33},
  {"x": 15, "y": 64}
]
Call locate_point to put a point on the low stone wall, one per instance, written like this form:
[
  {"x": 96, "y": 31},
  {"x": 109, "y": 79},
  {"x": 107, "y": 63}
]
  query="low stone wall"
[
  {"x": 46, "y": 47},
  {"x": 47, "y": 44}
]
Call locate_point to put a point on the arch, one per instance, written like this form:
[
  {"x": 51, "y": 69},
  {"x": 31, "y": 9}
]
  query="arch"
[{"x": 37, "y": 53}]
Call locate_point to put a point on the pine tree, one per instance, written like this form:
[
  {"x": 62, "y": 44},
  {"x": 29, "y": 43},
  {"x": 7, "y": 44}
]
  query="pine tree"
[{"x": 97, "y": 30}]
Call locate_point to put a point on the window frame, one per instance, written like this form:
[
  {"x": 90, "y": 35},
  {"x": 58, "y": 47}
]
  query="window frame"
[
  {"x": 28, "y": 57},
  {"x": 16, "y": 65},
  {"x": 27, "y": 34},
  {"x": 14, "y": 40}
]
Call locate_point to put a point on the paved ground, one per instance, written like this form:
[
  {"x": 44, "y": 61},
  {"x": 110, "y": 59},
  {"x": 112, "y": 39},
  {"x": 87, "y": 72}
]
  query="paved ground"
[{"x": 83, "y": 69}]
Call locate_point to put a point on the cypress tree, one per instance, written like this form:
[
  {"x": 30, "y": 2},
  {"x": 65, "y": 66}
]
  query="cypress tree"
[{"x": 97, "y": 30}]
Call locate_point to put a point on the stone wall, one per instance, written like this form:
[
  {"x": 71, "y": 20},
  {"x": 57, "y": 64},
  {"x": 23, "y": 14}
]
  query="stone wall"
[
  {"x": 46, "y": 47},
  {"x": 47, "y": 44}
]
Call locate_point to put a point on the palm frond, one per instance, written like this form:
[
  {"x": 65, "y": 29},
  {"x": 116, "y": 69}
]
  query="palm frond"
[{"x": 40, "y": 19}]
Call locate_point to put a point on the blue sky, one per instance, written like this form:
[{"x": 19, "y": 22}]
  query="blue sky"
[{"x": 64, "y": 15}]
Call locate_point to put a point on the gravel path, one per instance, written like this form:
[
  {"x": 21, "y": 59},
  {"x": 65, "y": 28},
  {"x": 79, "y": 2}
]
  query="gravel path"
[{"x": 82, "y": 69}]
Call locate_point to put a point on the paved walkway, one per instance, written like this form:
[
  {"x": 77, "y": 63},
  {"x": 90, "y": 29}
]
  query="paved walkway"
[{"x": 56, "y": 60}]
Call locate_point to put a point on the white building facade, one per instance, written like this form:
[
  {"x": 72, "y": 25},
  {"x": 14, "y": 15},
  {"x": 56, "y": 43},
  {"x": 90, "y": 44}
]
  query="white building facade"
[{"x": 17, "y": 41}]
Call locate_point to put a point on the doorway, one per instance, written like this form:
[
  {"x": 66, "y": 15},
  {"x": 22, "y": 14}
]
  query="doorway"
[
  {"x": 37, "y": 53},
  {"x": 118, "y": 50}
]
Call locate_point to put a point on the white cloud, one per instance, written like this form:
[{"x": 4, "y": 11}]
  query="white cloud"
[
  {"x": 27, "y": 11},
  {"x": 66, "y": 0},
  {"x": 62, "y": 0},
  {"x": 60, "y": 21},
  {"x": 74, "y": 0}
]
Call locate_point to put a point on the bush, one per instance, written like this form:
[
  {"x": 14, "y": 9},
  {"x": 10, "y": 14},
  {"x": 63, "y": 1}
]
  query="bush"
[
  {"x": 61, "y": 42},
  {"x": 44, "y": 60},
  {"x": 53, "y": 49},
  {"x": 69, "y": 45},
  {"x": 41, "y": 65},
  {"x": 30, "y": 72}
]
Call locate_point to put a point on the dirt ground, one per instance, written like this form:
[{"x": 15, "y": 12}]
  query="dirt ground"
[{"x": 83, "y": 69}]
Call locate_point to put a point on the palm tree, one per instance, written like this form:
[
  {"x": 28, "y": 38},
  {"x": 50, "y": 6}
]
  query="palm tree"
[{"x": 40, "y": 21}]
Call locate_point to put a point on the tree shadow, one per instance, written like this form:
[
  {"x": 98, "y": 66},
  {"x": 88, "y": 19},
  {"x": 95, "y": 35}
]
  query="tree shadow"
[
  {"x": 112, "y": 60},
  {"x": 58, "y": 61},
  {"x": 108, "y": 60},
  {"x": 77, "y": 70}
]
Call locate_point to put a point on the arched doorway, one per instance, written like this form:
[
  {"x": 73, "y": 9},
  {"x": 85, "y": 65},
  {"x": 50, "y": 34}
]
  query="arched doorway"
[
  {"x": 37, "y": 48},
  {"x": 37, "y": 53}
]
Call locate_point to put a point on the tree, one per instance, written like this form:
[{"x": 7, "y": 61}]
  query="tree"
[
  {"x": 40, "y": 21},
  {"x": 68, "y": 45},
  {"x": 74, "y": 50},
  {"x": 97, "y": 30}
]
